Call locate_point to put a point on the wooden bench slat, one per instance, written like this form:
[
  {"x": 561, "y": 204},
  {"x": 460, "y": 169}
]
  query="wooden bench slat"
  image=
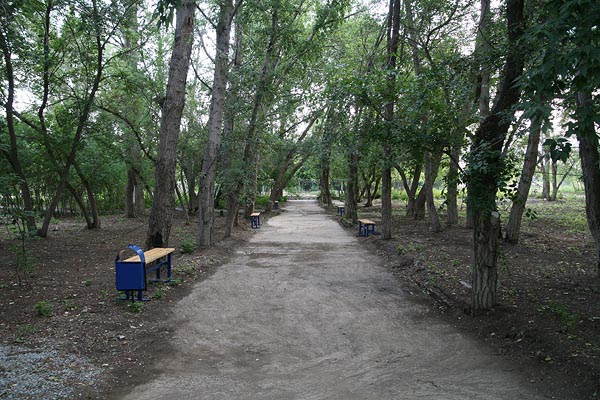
[
  {"x": 256, "y": 214},
  {"x": 366, "y": 222},
  {"x": 153, "y": 254}
]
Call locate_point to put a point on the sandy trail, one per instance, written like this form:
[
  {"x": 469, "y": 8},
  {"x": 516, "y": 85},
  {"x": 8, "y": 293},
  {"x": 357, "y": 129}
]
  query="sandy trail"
[{"x": 303, "y": 312}]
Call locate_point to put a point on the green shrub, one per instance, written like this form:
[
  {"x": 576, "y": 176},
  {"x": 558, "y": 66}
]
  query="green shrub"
[
  {"x": 23, "y": 331},
  {"x": 567, "y": 319},
  {"x": 187, "y": 245},
  {"x": 262, "y": 201},
  {"x": 399, "y": 195},
  {"x": 221, "y": 204},
  {"x": 43, "y": 308},
  {"x": 136, "y": 306}
]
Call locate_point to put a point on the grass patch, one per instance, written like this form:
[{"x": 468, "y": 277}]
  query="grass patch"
[{"x": 43, "y": 308}]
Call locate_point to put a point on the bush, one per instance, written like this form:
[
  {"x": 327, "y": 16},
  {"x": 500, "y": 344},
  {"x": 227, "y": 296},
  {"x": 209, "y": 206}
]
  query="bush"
[
  {"x": 43, "y": 308},
  {"x": 187, "y": 245},
  {"x": 221, "y": 204},
  {"x": 399, "y": 195},
  {"x": 262, "y": 201}
]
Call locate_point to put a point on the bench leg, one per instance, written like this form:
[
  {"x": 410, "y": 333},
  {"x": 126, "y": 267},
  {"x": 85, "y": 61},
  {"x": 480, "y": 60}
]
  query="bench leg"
[{"x": 169, "y": 269}]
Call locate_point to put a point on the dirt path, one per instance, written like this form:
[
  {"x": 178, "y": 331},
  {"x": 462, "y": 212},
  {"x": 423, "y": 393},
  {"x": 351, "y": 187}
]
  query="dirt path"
[{"x": 304, "y": 312}]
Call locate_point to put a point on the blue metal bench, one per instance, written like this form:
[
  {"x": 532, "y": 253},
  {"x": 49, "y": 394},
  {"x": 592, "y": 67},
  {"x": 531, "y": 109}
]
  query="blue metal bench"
[
  {"x": 341, "y": 210},
  {"x": 366, "y": 226},
  {"x": 130, "y": 274},
  {"x": 255, "y": 220}
]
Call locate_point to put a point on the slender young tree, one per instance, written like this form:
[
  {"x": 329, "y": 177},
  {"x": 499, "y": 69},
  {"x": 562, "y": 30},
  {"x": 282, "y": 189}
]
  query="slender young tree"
[
  {"x": 215, "y": 124},
  {"x": 393, "y": 39},
  {"x": 163, "y": 204},
  {"x": 513, "y": 227},
  {"x": 7, "y": 30}
]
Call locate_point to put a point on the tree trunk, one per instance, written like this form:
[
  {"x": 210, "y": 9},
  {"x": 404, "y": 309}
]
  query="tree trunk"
[
  {"x": 487, "y": 151},
  {"x": 12, "y": 154},
  {"x": 284, "y": 174},
  {"x": 590, "y": 166},
  {"x": 81, "y": 125},
  {"x": 79, "y": 200},
  {"x": 324, "y": 179},
  {"x": 215, "y": 126},
  {"x": 452, "y": 191},
  {"x": 411, "y": 190},
  {"x": 163, "y": 204},
  {"x": 545, "y": 166},
  {"x": 483, "y": 50},
  {"x": 229, "y": 148},
  {"x": 251, "y": 145},
  {"x": 430, "y": 169},
  {"x": 367, "y": 190},
  {"x": 393, "y": 38},
  {"x": 352, "y": 187},
  {"x": 554, "y": 167},
  {"x": 513, "y": 227},
  {"x": 485, "y": 271}
]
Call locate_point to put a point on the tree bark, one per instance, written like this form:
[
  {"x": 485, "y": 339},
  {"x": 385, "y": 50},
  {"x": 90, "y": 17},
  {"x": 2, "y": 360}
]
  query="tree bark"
[
  {"x": 485, "y": 272},
  {"x": 554, "y": 167},
  {"x": 513, "y": 227},
  {"x": 351, "y": 202},
  {"x": 393, "y": 38},
  {"x": 287, "y": 168},
  {"x": 411, "y": 190},
  {"x": 251, "y": 145},
  {"x": 487, "y": 150},
  {"x": 163, "y": 204},
  {"x": 430, "y": 169},
  {"x": 590, "y": 166},
  {"x": 79, "y": 200},
  {"x": 545, "y": 166},
  {"x": 325, "y": 160},
  {"x": 452, "y": 192},
  {"x": 229, "y": 148},
  {"x": 81, "y": 126},
  {"x": 91, "y": 197},
  {"x": 12, "y": 154},
  {"x": 215, "y": 126}
]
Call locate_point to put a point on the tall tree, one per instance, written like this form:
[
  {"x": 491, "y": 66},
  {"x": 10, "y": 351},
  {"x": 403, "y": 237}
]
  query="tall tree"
[
  {"x": 569, "y": 69},
  {"x": 92, "y": 15},
  {"x": 163, "y": 204},
  {"x": 393, "y": 39},
  {"x": 487, "y": 169},
  {"x": 513, "y": 227},
  {"x": 8, "y": 30},
  {"x": 215, "y": 124}
]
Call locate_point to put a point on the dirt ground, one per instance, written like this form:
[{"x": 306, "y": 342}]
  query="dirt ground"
[
  {"x": 549, "y": 294},
  {"x": 549, "y": 316}
]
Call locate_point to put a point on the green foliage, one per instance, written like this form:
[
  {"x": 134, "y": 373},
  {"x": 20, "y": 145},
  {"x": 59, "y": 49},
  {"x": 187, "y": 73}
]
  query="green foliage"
[
  {"x": 188, "y": 245},
  {"x": 160, "y": 293},
  {"x": 262, "y": 201},
  {"x": 490, "y": 173},
  {"x": 43, "y": 308},
  {"x": 69, "y": 305},
  {"x": 558, "y": 148},
  {"x": 185, "y": 269},
  {"x": 23, "y": 331},
  {"x": 408, "y": 248},
  {"x": 135, "y": 306},
  {"x": 399, "y": 195},
  {"x": 567, "y": 319}
]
